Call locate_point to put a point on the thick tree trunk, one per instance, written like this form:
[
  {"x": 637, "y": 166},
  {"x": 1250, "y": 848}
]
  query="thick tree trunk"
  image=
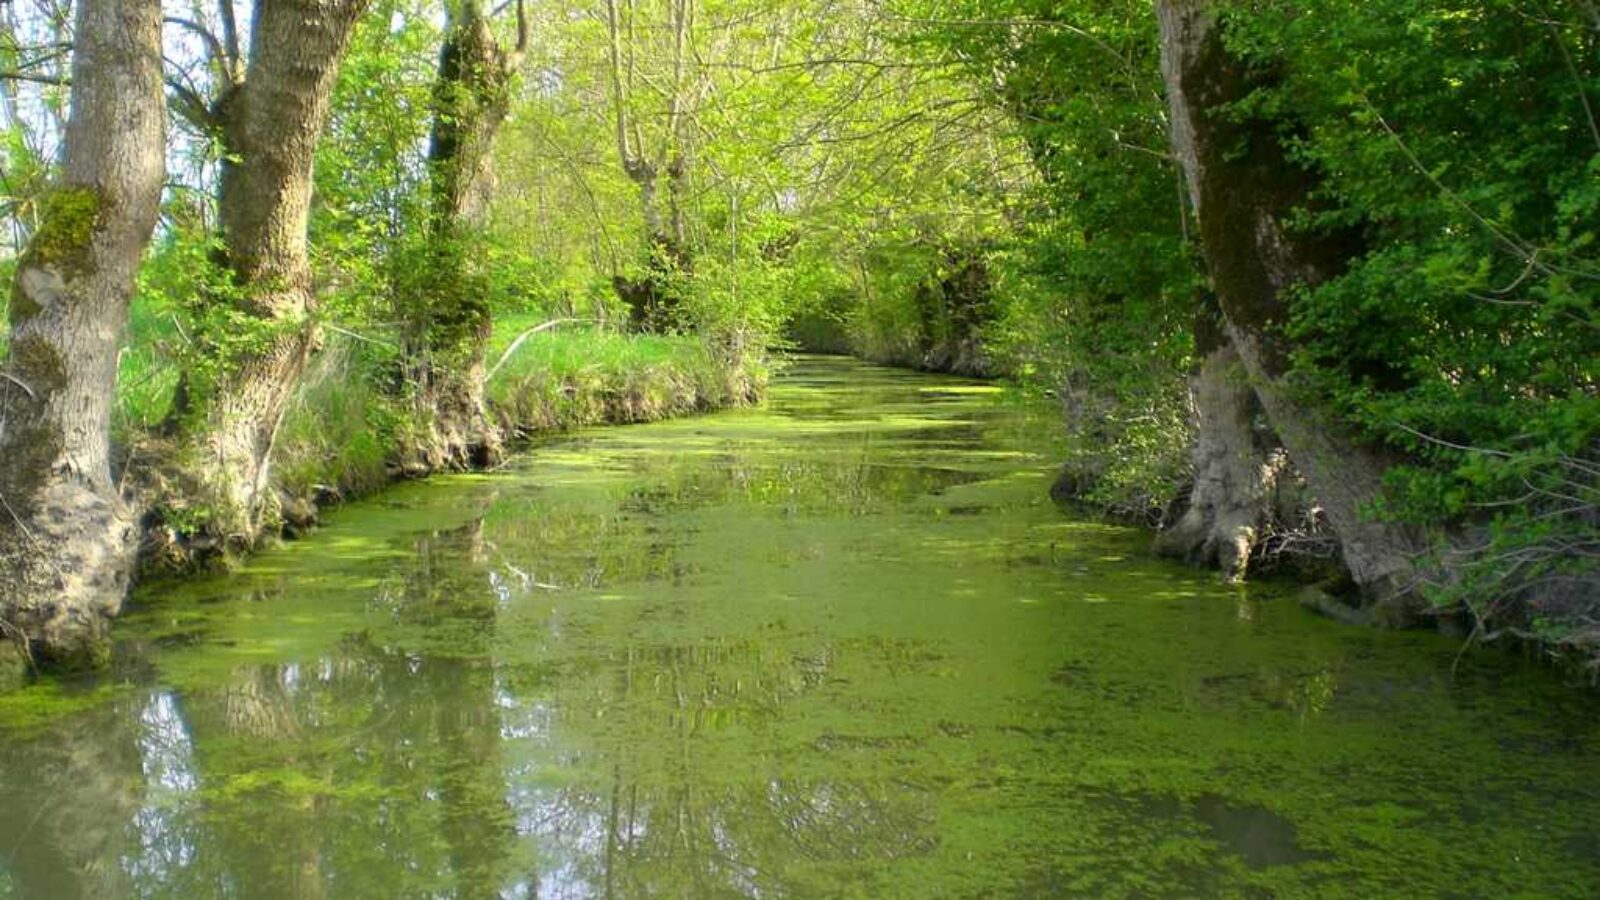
[
  {"x": 270, "y": 126},
  {"x": 678, "y": 195},
  {"x": 1245, "y": 189},
  {"x": 65, "y": 534},
  {"x": 1235, "y": 474},
  {"x": 643, "y": 174},
  {"x": 448, "y": 331}
]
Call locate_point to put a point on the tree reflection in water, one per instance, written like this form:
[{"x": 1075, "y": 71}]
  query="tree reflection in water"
[
  {"x": 70, "y": 796},
  {"x": 392, "y": 770}
]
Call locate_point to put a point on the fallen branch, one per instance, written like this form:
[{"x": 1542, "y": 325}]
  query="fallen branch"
[
  {"x": 516, "y": 344},
  {"x": 359, "y": 337}
]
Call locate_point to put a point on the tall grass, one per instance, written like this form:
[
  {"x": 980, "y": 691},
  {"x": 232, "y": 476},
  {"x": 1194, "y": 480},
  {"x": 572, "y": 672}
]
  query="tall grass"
[
  {"x": 341, "y": 430},
  {"x": 147, "y": 372},
  {"x": 567, "y": 378}
]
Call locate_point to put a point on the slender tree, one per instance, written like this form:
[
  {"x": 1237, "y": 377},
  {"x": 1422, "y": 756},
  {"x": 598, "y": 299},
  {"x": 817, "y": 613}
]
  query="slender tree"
[
  {"x": 666, "y": 234},
  {"x": 66, "y": 536}
]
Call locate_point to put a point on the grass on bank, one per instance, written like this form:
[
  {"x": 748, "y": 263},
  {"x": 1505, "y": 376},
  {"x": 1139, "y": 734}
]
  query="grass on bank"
[
  {"x": 342, "y": 432},
  {"x": 344, "y": 429},
  {"x": 566, "y": 378}
]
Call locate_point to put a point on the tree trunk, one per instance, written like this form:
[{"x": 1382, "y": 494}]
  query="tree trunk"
[
  {"x": 678, "y": 164},
  {"x": 270, "y": 127},
  {"x": 448, "y": 329},
  {"x": 650, "y": 304},
  {"x": 66, "y": 537},
  {"x": 1245, "y": 189},
  {"x": 1234, "y": 473},
  {"x": 643, "y": 174},
  {"x": 678, "y": 200}
]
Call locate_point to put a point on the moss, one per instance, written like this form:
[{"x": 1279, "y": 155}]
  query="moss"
[
  {"x": 49, "y": 701},
  {"x": 70, "y": 216},
  {"x": 39, "y": 363},
  {"x": 36, "y": 443},
  {"x": 22, "y": 306},
  {"x": 78, "y": 653}
]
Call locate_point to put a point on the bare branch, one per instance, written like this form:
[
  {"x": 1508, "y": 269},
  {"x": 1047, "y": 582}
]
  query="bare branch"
[
  {"x": 190, "y": 106},
  {"x": 21, "y": 384},
  {"x": 230, "y": 37},
  {"x": 56, "y": 80},
  {"x": 213, "y": 46}
]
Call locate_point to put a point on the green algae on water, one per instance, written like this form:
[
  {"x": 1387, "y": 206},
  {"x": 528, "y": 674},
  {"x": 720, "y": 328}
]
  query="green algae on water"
[{"x": 843, "y": 646}]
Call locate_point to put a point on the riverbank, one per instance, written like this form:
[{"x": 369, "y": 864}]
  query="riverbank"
[
  {"x": 345, "y": 437},
  {"x": 896, "y": 344}
]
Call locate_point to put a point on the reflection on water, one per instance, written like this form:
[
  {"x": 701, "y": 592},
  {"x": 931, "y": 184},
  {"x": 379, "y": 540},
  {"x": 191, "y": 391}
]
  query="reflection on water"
[{"x": 842, "y": 647}]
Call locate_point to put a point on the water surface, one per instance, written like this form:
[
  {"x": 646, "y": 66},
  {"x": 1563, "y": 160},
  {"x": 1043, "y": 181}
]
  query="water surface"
[{"x": 840, "y": 647}]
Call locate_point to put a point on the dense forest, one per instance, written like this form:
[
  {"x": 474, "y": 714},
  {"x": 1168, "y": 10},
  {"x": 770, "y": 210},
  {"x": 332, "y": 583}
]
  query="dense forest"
[{"x": 1313, "y": 283}]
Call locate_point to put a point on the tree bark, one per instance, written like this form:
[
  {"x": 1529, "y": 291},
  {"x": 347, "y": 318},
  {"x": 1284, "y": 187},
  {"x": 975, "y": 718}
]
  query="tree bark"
[
  {"x": 678, "y": 162},
  {"x": 271, "y": 124},
  {"x": 66, "y": 537},
  {"x": 678, "y": 205},
  {"x": 1235, "y": 474},
  {"x": 1245, "y": 190},
  {"x": 448, "y": 331}
]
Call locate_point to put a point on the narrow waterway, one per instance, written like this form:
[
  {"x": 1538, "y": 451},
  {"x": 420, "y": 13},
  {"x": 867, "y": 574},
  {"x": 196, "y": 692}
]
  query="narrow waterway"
[{"x": 843, "y": 646}]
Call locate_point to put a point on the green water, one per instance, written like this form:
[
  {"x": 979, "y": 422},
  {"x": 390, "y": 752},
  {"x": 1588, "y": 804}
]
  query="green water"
[{"x": 840, "y": 647}]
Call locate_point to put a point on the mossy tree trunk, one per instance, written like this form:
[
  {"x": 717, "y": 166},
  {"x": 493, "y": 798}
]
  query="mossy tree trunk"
[
  {"x": 66, "y": 537},
  {"x": 1235, "y": 470},
  {"x": 270, "y": 122},
  {"x": 1246, "y": 189},
  {"x": 448, "y": 326}
]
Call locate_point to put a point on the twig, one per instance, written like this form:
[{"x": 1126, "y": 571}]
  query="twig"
[
  {"x": 20, "y": 383},
  {"x": 52, "y": 80},
  {"x": 1577, "y": 82},
  {"x": 19, "y": 637},
  {"x": 1451, "y": 444},
  {"x": 213, "y": 45},
  {"x": 360, "y": 337},
  {"x": 1511, "y": 241}
]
